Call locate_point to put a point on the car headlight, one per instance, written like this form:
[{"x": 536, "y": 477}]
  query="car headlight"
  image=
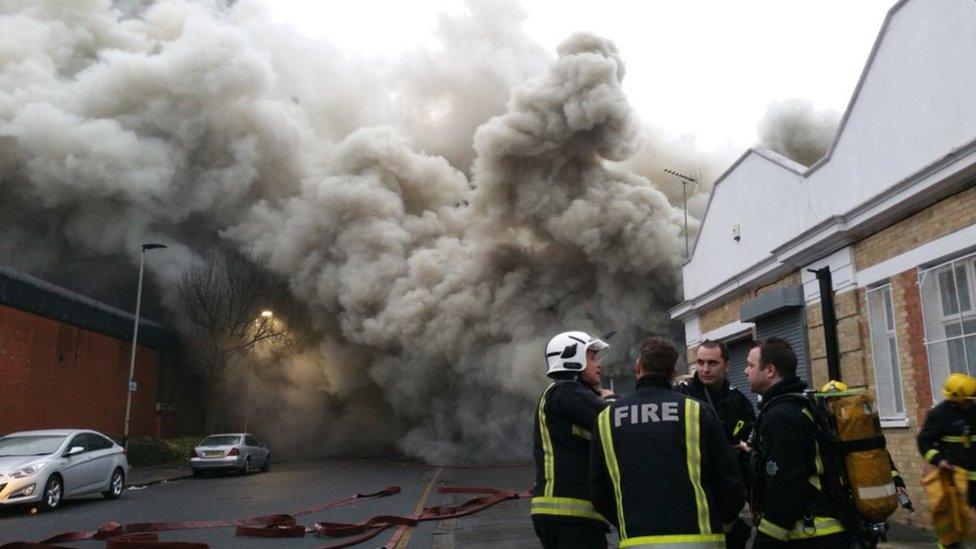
[{"x": 25, "y": 472}]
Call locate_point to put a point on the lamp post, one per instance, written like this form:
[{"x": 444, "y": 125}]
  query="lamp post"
[
  {"x": 266, "y": 316},
  {"x": 135, "y": 336}
]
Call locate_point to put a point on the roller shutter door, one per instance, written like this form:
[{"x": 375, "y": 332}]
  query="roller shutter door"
[
  {"x": 791, "y": 326},
  {"x": 738, "y": 352}
]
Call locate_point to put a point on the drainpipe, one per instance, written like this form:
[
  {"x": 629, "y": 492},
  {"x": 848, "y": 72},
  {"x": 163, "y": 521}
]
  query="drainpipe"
[{"x": 829, "y": 321}]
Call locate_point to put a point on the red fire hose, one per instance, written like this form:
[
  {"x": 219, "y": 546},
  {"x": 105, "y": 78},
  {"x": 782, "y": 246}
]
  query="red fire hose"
[{"x": 144, "y": 535}]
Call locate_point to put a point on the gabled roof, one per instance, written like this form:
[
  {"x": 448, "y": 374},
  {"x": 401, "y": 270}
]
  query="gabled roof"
[{"x": 907, "y": 130}]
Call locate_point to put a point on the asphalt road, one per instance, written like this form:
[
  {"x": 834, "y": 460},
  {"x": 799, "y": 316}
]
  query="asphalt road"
[{"x": 290, "y": 488}]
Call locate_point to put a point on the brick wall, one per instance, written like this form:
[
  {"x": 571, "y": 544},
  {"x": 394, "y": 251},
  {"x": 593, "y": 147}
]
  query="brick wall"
[
  {"x": 948, "y": 215},
  {"x": 851, "y": 342},
  {"x": 61, "y": 376}
]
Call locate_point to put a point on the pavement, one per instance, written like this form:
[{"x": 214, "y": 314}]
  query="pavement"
[{"x": 169, "y": 493}]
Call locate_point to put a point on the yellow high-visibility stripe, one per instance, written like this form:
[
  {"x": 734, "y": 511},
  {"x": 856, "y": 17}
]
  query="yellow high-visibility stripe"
[
  {"x": 930, "y": 454},
  {"x": 566, "y": 507},
  {"x": 818, "y": 465},
  {"x": 822, "y": 526},
  {"x": 610, "y": 457},
  {"x": 689, "y": 541},
  {"x": 738, "y": 427},
  {"x": 693, "y": 448},
  {"x": 582, "y": 433},
  {"x": 959, "y": 438},
  {"x": 548, "y": 456}
]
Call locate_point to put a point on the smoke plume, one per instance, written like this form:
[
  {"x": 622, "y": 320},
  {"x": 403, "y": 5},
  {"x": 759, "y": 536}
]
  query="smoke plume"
[
  {"x": 437, "y": 217},
  {"x": 794, "y": 129}
]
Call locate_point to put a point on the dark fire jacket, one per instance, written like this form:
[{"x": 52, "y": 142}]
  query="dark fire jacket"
[
  {"x": 662, "y": 470},
  {"x": 563, "y": 428}
]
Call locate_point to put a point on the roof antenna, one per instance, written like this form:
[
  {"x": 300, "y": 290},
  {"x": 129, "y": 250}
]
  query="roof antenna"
[{"x": 685, "y": 180}]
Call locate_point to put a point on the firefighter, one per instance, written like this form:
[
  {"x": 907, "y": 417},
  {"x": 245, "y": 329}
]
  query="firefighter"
[
  {"x": 561, "y": 510},
  {"x": 948, "y": 436},
  {"x": 787, "y": 496},
  {"x": 660, "y": 467},
  {"x": 710, "y": 385}
]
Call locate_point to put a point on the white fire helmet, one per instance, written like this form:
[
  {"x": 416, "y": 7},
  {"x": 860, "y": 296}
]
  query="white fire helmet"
[{"x": 567, "y": 351}]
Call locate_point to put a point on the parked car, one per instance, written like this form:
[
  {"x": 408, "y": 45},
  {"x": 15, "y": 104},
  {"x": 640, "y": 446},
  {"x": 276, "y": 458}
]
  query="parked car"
[
  {"x": 48, "y": 466},
  {"x": 240, "y": 452}
]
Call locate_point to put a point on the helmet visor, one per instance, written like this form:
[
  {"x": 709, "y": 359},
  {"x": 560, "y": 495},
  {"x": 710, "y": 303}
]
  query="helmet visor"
[{"x": 596, "y": 344}]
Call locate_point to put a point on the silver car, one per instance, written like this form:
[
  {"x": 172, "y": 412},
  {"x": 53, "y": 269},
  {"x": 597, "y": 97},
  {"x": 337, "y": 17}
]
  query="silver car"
[
  {"x": 48, "y": 466},
  {"x": 240, "y": 452}
]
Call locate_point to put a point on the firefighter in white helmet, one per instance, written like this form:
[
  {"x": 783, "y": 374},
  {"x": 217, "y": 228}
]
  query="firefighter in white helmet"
[{"x": 561, "y": 509}]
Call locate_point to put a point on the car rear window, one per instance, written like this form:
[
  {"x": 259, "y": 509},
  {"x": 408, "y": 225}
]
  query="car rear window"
[
  {"x": 30, "y": 445},
  {"x": 220, "y": 440}
]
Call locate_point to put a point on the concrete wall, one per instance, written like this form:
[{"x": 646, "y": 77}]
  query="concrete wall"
[{"x": 59, "y": 376}]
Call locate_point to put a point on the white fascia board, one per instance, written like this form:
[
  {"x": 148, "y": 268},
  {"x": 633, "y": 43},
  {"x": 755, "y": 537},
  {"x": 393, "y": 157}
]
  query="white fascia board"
[
  {"x": 957, "y": 243},
  {"x": 842, "y": 273},
  {"x": 693, "y": 331},
  {"x": 947, "y": 175}
]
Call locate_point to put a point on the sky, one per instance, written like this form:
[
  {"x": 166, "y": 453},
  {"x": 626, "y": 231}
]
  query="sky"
[{"x": 705, "y": 68}]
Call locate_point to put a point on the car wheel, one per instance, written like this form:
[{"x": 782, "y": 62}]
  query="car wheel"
[
  {"x": 197, "y": 473},
  {"x": 267, "y": 464},
  {"x": 53, "y": 493},
  {"x": 246, "y": 470},
  {"x": 116, "y": 486}
]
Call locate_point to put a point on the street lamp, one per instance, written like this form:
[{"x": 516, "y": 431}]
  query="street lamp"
[
  {"x": 135, "y": 337},
  {"x": 266, "y": 316}
]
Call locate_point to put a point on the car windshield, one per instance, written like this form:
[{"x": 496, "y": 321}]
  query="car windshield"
[
  {"x": 220, "y": 440},
  {"x": 30, "y": 445}
]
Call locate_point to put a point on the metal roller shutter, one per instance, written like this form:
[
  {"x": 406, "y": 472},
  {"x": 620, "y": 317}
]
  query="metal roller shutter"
[
  {"x": 738, "y": 352},
  {"x": 790, "y": 326}
]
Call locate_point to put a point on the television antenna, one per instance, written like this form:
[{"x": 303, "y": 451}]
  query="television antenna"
[{"x": 685, "y": 181}]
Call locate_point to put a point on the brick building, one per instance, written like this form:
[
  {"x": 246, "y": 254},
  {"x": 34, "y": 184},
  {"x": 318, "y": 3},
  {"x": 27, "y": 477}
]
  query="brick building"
[
  {"x": 890, "y": 210},
  {"x": 64, "y": 359}
]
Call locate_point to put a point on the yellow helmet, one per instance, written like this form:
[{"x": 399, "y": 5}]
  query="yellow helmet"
[
  {"x": 959, "y": 387},
  {"x": 833, "y": 386}
]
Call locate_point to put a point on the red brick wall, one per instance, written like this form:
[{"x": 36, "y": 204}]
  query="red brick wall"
[
  {"x": 907, "y": 282},
  {"x": 59, "y": 376}
]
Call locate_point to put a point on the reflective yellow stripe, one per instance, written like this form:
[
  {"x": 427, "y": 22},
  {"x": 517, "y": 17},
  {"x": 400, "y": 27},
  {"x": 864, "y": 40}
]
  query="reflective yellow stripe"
[
  {"x": 738, "y": 427},
  {"x": 807, "y": 413},
  {"x": 822, "y": 526},
  {"x": 971, "y": 475},
  {"x": 818, "y": 465},
  {"x": 566, "y": 507},
  {"x": 773, "y": 530},
  {"x": 693, "y": 448},
  {"x": 548, "y": 458},
  {"x": 958, "y": 439},
  {"x": 581, "y": 432},
  {"x": 686, "y": 541},
  {"x": 610, "y": 457},
  {"x": 930, "y": 454}
]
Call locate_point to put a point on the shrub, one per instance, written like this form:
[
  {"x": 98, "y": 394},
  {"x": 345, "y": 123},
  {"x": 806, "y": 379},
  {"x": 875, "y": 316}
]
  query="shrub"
[{"x": 145, "y": 451}]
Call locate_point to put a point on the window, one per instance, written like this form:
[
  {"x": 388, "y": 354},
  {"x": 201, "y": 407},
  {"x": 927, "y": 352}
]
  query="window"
[
  {"x": 884, "y": 346},
  {"x": 948, "y": 298}
]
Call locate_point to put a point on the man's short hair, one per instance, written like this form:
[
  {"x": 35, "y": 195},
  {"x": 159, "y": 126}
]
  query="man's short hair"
[
  {"x": 659, "y": 356},
  {"x": 778, "y": 352},
  {"x": 712, "y": 344}
]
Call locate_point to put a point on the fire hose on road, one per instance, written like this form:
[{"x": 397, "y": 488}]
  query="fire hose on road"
[{"x": 137, "y": 535}]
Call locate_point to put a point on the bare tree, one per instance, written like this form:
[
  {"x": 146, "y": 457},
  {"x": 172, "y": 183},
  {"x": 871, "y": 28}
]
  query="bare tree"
[{"x": 222, "y": 300}]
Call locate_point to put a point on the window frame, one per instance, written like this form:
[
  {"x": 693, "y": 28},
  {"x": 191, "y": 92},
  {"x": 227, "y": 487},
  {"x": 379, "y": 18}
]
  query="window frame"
[
  {"x": 900, "y": 419},
  {"x": 960, "y": 317}
]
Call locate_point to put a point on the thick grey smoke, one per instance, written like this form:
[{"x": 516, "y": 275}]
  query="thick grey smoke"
[
  {"x": 439, "y": 217},
  {"x": 796, "y": 130}
]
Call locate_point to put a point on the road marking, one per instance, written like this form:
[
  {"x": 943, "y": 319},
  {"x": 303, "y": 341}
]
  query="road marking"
[{"x": 401, "y": 538}]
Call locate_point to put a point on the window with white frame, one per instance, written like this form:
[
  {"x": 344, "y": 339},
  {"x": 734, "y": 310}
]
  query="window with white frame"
[
  {"x": 948, "y": 297},
  {"x": 884, "y": 349}
]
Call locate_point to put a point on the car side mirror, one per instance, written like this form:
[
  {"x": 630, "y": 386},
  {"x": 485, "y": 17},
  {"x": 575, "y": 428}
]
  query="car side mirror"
[{"x": 75, "y": 450}]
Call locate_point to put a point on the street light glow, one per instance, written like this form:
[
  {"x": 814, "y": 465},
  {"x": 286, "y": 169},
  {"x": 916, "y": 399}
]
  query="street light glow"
[{"x": 267, "y": 314}]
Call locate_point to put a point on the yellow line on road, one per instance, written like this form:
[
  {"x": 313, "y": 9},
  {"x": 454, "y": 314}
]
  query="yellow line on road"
[{"x": 408, "y": 533}]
